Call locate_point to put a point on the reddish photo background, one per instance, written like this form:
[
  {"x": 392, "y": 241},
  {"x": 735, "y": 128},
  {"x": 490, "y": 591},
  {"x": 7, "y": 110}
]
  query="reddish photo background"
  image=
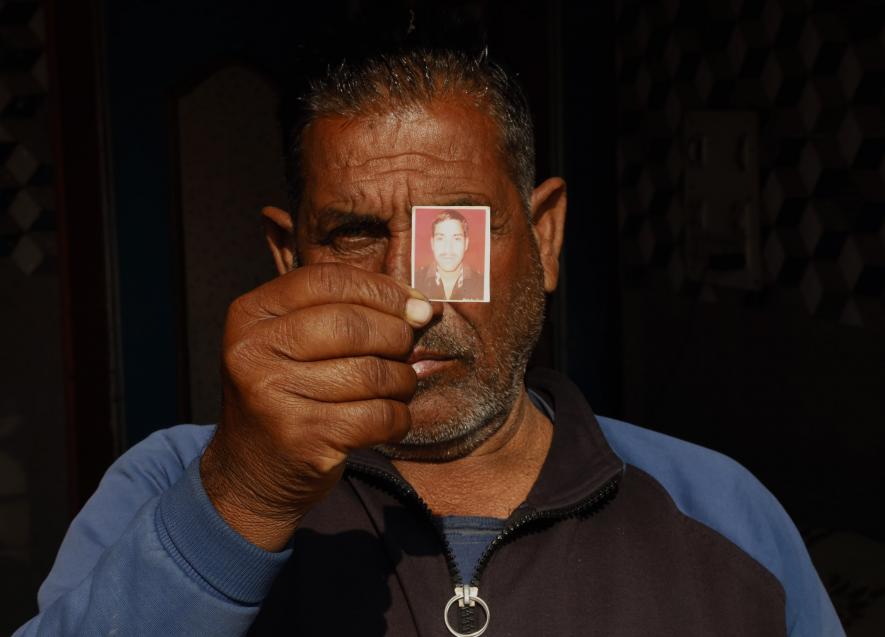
[{"x": 476, "y": 223}]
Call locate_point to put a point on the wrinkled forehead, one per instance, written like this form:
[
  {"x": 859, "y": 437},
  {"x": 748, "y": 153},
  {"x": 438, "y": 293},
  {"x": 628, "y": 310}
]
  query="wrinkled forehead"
[{"x": 443, "y": 146}]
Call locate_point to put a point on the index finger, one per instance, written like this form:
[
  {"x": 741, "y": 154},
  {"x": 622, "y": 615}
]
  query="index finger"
[{"x": 325, "y": 283}]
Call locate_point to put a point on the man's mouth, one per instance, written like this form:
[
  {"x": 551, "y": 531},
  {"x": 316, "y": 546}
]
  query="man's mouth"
[{"x": 426, "y": 363}]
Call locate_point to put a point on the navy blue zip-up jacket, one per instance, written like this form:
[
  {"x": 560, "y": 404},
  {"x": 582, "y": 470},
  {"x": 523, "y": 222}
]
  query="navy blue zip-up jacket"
[{"x": 626, "y": 532}]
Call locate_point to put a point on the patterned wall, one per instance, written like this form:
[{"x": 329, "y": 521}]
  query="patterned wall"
[
  {"x": 33, "y": 507},
  {"x": 784, "y": 374},
  {"x": 816, "y": 78},
  {"x": 25, "y": 188}
]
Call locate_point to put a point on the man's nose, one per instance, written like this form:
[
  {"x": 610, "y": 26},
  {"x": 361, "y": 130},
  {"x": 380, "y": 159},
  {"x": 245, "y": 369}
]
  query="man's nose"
[{"x": 398, "y": 260}]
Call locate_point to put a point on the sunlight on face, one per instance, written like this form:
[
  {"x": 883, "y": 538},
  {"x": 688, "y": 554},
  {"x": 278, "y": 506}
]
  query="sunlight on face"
[
  {"x": 449, "y": 244},
  {"x": 435, "y": 154}
]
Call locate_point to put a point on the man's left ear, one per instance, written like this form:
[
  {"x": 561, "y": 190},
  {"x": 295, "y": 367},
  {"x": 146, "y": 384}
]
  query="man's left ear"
[
  {"x": 280, "y": 234},
  {"x": 548, "y": 224}
]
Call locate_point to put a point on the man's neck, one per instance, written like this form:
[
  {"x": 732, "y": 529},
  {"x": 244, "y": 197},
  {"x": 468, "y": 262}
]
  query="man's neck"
[
  {"x": 449, "y": 279},
  {"x": 496, "y": 477}
]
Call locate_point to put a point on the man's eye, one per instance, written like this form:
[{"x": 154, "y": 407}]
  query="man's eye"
[{"x": 354, "y": 236}]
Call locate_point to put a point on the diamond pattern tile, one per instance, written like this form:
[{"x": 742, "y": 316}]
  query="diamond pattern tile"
[
  {"x": 837, "y": 74},
  {"x": 824, "y": 290},
  {"x": 786, "y": 256},
  {"x": 22, "y": 164},
  {"x": 816, "y": 79},
  {"x": 27, "y": 255},
  {"x": 839, "y": 138},
  {"x": 863, "y": 265},
  {"x": 823, "y": 229},
  {"x": 25, "y": 210},
  {"x": 26, "y": 216}
]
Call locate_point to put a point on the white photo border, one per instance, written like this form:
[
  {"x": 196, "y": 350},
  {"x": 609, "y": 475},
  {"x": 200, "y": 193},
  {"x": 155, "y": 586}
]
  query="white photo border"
[{"x": 486, "y": 274}]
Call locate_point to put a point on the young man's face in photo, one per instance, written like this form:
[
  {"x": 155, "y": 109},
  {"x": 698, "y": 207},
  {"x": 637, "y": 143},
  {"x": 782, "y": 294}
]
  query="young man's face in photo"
[{"x": 449, "y": 244}]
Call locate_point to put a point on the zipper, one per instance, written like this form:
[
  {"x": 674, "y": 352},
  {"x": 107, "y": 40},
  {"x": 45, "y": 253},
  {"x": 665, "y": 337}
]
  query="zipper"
[
  {"x": 405, "y": 490},
  {"x": 465, "y": 594},
  {"x": 598, "y": 498}
]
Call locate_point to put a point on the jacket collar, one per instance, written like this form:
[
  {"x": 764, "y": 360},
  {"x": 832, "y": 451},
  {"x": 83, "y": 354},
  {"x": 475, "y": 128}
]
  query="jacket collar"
[
  {"x": 578, "y": 465},
  {"x": 580, "y": 461}
]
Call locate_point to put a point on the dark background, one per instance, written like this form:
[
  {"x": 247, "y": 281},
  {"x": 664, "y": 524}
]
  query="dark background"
[{"x": 139, "y": 139}]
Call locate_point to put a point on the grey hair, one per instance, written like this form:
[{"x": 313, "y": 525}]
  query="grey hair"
[{"x": 400, "y": 80}]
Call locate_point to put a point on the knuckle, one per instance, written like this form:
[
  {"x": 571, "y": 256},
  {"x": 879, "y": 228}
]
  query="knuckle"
[
  {"x": 376, "y": 373},
  {"x": 235, "y": 309},
  {"x": 275, "y": 383},
  {"x": 340, "y": 281},
  {"x": 363, "y": 413},
  {"x": 238, "y": 357},
  {"x": 319, "y": 455},
  {"x": 335, "y": 428},
  {"x": 407, "y": 378},
  {"x": 350, "y": 325},
  {"x": 291, "y": 337},
  {"x": 402, "y": 336},
  {"x": 360, "y": 424},
  {"x": 390, "y": 296},
  {"x": 325, "y": 280},
  {"x": 233, "y": 319},
  {"x": 395, "y": 335},
  {"x": 324, "y": 463},
  {"x": 239, "y": 311},
  {"x": 384, "y": 413},
  {"x": 367, "y": 421},
  {"x": 240, "y": 319},
  {"x": 396, "y": 418}
]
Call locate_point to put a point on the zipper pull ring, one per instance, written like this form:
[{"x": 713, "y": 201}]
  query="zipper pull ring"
[{"x": 467, "y": 596}]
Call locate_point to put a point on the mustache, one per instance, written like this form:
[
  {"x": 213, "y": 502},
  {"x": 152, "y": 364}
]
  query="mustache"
[{"x": 449, "y": 339}]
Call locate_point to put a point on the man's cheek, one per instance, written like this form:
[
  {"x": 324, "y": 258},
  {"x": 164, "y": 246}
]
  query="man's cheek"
[{"x": 481, "y": 319}]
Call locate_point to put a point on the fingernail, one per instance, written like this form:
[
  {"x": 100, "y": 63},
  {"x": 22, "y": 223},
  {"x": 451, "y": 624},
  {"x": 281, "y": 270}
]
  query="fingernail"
[{"x": 418, "y": 312}]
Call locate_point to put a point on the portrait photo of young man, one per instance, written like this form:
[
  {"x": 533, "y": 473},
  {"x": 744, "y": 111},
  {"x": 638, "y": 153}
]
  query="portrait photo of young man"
[{"x": 447, "y": 265}]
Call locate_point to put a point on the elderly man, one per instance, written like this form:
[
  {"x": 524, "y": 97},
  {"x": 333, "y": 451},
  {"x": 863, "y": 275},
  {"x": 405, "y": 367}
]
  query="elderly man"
[
  {"x": 449, "y": 277},
  {"x": 383, "y": 465}
]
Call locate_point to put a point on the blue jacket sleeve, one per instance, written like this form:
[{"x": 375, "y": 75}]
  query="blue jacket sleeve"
[
  {"x": 718, "y": 492},
  {"x": 149, "y": 555}
]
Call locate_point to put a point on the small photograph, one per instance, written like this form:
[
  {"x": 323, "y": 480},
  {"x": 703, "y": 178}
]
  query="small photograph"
[{"x": 450, "y": 252}]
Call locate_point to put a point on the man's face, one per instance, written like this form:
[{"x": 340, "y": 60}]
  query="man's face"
[
  {"x": 449, "y": 244},
  {"x": 361, "y": 178}
]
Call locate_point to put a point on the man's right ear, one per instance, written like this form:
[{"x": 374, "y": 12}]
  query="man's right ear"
[
  {"x": 280, "y": 234},
  {"x": 548, "y": 225}
]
